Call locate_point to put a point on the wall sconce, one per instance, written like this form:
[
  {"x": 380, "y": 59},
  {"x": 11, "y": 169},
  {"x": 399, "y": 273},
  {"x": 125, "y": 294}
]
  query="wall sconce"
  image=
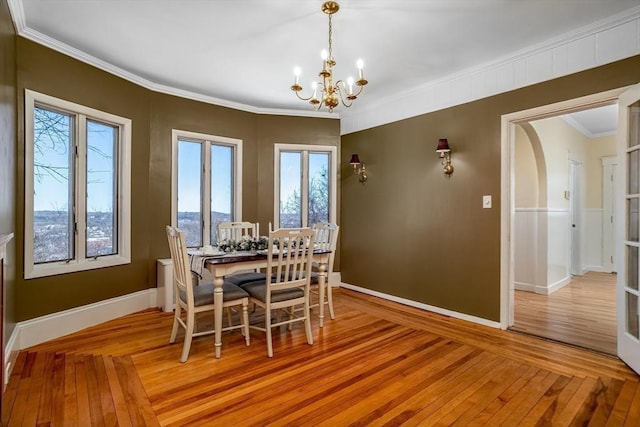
[
  {"x": 445, "y": 155},
  {"x": 358, "y": 168}
]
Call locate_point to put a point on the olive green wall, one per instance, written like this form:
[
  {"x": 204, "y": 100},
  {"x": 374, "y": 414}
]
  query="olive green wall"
[
  {"x": 170, "y": 112},
  {"x": 8, "y": 160},
  {"x": 153, "y": 117},
  {"x": 427, "y": 236},
  {"x": 258, "y": 133},
  {"x": 47, "y": 71},
  {"x": 289, "y": 130}
]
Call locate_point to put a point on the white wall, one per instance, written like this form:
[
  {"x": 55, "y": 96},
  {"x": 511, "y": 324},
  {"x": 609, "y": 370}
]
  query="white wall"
[
  {"x": 530, "y": 219},
  {"x": 542, "y": 222}
]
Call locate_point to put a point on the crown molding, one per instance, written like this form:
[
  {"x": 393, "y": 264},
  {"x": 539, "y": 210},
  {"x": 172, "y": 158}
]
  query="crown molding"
[
  {"x": 17, "y": 13},
  {"x": 516, "y": 70}
]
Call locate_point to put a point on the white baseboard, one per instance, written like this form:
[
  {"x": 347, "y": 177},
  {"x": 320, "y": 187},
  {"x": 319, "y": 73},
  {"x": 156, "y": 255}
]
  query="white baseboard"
[
  {"x": 597, "y": 269},
  {"x": 559, "y": 284},
  {"x": 41, "y": 329},
  {"x": 422, "y": 306},
  {"x": 335, "y": 279},
  {"x": 542, "y": 290},
  {"x": 527, "y": 287}
]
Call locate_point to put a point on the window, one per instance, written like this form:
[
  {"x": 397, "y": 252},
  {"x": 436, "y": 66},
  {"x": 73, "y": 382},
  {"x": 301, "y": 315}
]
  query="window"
[
  {"x": 207, "y": 182},
  {"x": 305, "y": 185},
  {"x": 77, "y": 187}
]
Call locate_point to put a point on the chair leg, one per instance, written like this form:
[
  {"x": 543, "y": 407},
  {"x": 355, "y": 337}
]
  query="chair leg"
[
  {"x": 245, "y": 322},
  {"x": 267, "y": 326},
  {"x": 229, "y": 320},
  {"x": 330, "y": 300},
  {"x": 290, "y": 327},
  {"x": 176, "y": 324},
  {"x": 188, "y": 335},
  {"x": 307, "y": 323}
]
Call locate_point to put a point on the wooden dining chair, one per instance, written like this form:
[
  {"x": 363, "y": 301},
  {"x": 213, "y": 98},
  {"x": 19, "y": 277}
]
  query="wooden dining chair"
[
  {"x": 236, "y": 230},
  {"x": 325, "y": 238},
  {"x": 289, "y": 262},
  {"x": 191, "y": 300}
]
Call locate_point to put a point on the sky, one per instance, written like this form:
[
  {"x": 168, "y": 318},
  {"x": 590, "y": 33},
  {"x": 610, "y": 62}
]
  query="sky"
[
  {"x": 189, "y": 176},
  {"x": 52, "y": 152}
]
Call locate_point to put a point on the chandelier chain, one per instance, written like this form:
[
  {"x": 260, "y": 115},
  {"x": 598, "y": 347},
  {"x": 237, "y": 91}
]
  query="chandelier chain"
[{"x": 330, "y": 34}]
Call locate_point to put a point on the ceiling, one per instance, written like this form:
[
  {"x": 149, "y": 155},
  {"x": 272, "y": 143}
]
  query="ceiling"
[
  {"x": 595, "y": 122},
  {"x": 242, "y": 53}
]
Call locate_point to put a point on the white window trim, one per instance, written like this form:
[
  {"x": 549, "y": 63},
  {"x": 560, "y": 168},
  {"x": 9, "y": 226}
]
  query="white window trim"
[
  {"x": 176, "y": 134},
  {"x": 80, "y": 263},
  {"x": 333, "y": 178}
]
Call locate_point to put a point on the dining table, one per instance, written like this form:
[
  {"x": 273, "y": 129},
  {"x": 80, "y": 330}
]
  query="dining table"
[{"x": 225, "y": 264}]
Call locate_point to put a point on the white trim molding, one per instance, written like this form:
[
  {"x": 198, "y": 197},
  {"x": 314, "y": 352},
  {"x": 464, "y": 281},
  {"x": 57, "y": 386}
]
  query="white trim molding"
[
  {"x": 614, "y": 38},
  {"x": 17, "y": 13},
  {"x": 427, "y": 307},
  {"x": 507, "y": 207},
  {"x": 597, "y": 44},
  {"x": 79, "y": 260},
  {"x": 41, "y": 329}
]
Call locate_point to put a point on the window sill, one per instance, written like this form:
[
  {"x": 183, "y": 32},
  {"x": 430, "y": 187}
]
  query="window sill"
[{"x": 53, "y": 269}]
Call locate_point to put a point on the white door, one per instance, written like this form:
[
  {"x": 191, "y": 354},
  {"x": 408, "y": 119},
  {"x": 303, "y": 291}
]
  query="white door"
[
  {"x": 628, "y": 291},
  {"x": 610, "y": 183},
  {"x": 575, "y": 177}
]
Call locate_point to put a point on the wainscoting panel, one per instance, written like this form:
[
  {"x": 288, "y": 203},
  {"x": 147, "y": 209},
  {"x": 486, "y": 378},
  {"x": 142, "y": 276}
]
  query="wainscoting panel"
[
  {"x": 541, "y": 249},
  {"x": 558, "y": 246}
]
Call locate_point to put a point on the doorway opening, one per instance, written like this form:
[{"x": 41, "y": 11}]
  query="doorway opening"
[{"x": 562, "y": 283}]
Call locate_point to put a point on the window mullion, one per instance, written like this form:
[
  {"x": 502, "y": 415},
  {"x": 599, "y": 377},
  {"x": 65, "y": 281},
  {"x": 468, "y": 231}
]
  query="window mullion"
[
  {"x": 206, "y": 193},
  {"x": 80, "y": 188},
  {"x": 304, "y": 190}
]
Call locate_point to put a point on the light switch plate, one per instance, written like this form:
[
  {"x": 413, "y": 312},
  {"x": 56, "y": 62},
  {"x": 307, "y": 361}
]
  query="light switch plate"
[{"x": 486, "y": 202}]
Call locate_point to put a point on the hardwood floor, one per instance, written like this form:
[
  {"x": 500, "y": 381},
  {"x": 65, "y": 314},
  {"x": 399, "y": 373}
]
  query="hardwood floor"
[
  {"x": 583, "y": 313},
  {"x": 377, "y": 363}
]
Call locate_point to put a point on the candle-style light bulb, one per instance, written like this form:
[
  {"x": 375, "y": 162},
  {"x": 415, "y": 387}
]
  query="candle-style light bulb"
[
  {"x": 324, "y": 55},
  {"x": 296, "y": 72},
  {"x": 314, "y": 86},
  {"x": 360, "y": 65},
  {"x": 350, "y": 84}
]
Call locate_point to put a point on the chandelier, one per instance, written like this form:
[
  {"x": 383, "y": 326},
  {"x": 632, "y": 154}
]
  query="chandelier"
[{"x": 331, "y": 94}]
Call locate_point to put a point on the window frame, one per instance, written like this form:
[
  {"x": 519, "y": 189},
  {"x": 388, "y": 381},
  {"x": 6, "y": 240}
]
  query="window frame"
[
  {"x": 202, "y": 138},
  {"x": 305, "y": 149},
  {"x": 123, "y": 190}
]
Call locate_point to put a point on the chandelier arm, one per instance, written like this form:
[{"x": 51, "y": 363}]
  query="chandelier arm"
[
  {"x": 344, "y": 89},
  {"x": 320, "y": 88},
  {"x": 360, "y": 88},
  {"x": 343, "y": 94},
  {"x": 303, "y": 98}
]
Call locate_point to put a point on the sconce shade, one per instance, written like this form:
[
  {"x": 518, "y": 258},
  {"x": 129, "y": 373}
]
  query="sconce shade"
[
  {"x": 443, "y": 146},
  {"x": 355, "y": 160}
]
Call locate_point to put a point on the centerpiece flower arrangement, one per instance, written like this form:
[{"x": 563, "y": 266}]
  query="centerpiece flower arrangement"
[{"x": 245, "y": 244}]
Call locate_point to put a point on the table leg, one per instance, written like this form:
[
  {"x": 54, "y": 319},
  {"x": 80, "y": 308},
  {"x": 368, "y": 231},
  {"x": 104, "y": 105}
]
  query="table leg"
[
  {"x": 322, "y": 273},
  {"x": 217, "y": 314}
]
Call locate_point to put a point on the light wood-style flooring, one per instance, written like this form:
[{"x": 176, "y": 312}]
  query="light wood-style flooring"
[
  {"x": 582, "y": 313},
  {"x": 378, "y": 363}
]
